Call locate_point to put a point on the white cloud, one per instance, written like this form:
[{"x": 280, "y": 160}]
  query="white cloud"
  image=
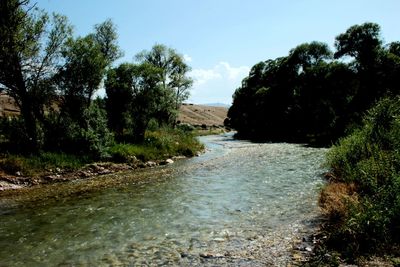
[
  {"x": 232, "y": 72},
  {"x": 217, "y": 84},
  {"x": 202, "y": 76},
  {"x": 187, "y": 58}
]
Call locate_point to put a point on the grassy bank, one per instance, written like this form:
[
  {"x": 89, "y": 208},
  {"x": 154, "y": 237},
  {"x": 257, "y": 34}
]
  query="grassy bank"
[
  {"x": 362, "y": 199},
  {"x": 37, "y": 165},
  {"x": 159, "y": 145}
]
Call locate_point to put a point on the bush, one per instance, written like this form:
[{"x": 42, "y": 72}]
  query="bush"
[
  {"x": 90, "y": 136},
  {"x": 158, "y": 145},
  {"x": 185, "y": 127},
  {"x": 38, "y": 164},
  {"x": 369, "y": 159},
  {"x": 96, "y": 137},
  {"x": 14, "y": 136}
]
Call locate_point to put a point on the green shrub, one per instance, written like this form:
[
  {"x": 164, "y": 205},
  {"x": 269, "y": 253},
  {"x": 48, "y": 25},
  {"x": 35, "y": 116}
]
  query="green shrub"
[
  {"x": 185, "y": 127},
  {"x": 14, "y": 135},
  {"x": 370, "y": 159},
  {"x": 126, "y": 152},
  {"x": 158, "y": 145},
  {"x": 90, "y": 136},
  {"x": 39, "y": 164}
]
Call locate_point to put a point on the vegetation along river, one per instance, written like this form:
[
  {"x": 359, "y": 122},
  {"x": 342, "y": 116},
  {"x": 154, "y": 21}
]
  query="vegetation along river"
[{"x": 239, "y": 204}]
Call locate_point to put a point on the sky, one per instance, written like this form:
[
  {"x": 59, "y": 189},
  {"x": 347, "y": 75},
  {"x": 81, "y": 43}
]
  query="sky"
[{"x": 222, "y": 39}]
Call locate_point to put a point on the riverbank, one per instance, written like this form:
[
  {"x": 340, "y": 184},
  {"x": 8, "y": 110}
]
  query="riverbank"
[
  {"x": 361, "y": 200},
  {"x": 160, "y": 148},
  {"x": 50, "y": 176}
]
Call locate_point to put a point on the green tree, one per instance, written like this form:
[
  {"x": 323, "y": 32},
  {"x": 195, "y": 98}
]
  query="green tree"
[
  {"x": 106, "y": 36},
  {"x": 172, "y": 78},
  {"x": 309, "y": 96},
  {"x": 30, "y": 52},
  {"x": 364, "y": 44},
  {"x": 148, "y": 97},
  {"x": 86, "y": 62},
  {"x": 310, "y": 112},
  {"x": 119, "y": 90},
  {"x": 389, "y": 69},
  {"x": 361, "y": 42},
  {"x": 81, "y": 75}
]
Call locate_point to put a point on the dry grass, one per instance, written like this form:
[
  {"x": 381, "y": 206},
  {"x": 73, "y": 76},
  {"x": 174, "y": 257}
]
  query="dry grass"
[
  {"x": 199, "y": 114},
  {"x": 335, "y": 198}
]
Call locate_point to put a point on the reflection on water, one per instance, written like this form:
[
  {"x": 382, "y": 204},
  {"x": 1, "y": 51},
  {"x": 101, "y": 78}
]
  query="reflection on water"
[{"x": 238, "y": 204}]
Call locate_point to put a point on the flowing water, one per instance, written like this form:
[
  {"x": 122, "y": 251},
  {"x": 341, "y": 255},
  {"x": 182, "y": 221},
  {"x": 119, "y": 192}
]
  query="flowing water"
[{"x": 239, "y": 204}]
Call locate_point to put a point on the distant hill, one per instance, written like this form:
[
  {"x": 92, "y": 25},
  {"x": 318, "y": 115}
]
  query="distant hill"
[
  {"x": 202, "y": 114},
  {"x": 218, "y": 105}
]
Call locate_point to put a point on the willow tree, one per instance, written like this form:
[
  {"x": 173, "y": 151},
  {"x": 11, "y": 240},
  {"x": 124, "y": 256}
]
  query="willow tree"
[
  {"x": 172, "y": 77},
  {"x": 31, "y": 43},
  {"x": 86, "y": 62}
]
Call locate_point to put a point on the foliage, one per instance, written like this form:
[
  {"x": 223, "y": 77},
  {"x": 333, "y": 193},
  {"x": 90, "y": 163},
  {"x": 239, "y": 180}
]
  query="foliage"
[
  {"x": 30, "y": 53},
  {"x": 14, "y": 135},
  {"x": 95, "y": 138},
  {"x": 106, "y": 36},
  {"x": 309, "y": 96},
  {"x": 37, "y": 164},
  {"x": 46, "y": 71},
  {"x": 53, "y": 78},
  {"x": 86, "y": 61},
  {"x": 171, "y": 75},
  {"x": 161, "y": 144},
  {"x": 152, "y": 89},
  {"x": 118, "y": 87},
  {"x": 81, "y": 75},
  {"x": 370, "y": 159}
]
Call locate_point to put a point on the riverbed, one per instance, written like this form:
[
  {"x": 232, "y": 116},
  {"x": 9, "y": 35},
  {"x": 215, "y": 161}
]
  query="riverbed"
[{"x": 238, "y": 204}]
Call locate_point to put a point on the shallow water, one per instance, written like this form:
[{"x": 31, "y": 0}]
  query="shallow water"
[{"x": 239, "y": 204}]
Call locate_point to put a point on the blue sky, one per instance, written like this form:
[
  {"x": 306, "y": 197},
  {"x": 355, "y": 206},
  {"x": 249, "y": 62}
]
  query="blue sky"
[{"x": 222, "y": 39}]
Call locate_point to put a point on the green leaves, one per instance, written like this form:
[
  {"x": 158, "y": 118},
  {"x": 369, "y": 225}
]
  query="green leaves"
[
  {"x": 359, "y": 41},
  {"x": 313, "y": 97},
  {"x": 106, "y": 36},
  {"x": 151, "y": 89}
]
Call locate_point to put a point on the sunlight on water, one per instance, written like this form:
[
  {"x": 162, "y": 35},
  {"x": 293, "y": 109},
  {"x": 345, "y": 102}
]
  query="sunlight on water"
[{"x": 240, "y": 202}]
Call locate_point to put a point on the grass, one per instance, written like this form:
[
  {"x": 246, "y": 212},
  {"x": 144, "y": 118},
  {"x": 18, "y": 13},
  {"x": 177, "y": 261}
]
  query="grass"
[
  {"x": 38, "y": 164},
  {"x": 159, "y": 145},
  {"x": 363, "y": 199}
]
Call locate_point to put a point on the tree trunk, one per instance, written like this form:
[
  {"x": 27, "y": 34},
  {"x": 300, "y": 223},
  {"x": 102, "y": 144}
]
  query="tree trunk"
[{"x": 30, "y": 124}]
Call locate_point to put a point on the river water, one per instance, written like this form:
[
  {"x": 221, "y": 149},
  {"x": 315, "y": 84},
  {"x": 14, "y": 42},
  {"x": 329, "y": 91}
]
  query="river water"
[{"x": 239, "y": 204}]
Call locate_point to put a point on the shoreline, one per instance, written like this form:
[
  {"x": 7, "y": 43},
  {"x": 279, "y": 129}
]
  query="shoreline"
[{"x": 13, "y": 183}]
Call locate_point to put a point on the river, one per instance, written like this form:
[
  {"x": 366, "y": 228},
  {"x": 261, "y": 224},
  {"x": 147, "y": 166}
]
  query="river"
[{"x": 238, "y": 204}]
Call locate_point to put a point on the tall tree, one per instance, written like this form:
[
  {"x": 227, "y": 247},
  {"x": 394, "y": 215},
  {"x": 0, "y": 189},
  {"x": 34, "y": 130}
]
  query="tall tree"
[
  {"x": 81, "y": 75},
  {"x": 147, "y": 98},
  {"x": 119, "y": 90},
  {"x": 30, "y": 53},
  {"x": 364, "y": 44},
  {"x": 86, "y": 61},
  {"x": 361, "y": 42},
  {"x": 172, "y": 78},
  {"x": 106, "y": 36}
]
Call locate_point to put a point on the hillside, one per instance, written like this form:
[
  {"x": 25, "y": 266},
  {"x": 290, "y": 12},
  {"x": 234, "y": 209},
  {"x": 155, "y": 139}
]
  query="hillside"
[
  {"x": 200, "y": 114},
  {"x": 7, "y": 106}
]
